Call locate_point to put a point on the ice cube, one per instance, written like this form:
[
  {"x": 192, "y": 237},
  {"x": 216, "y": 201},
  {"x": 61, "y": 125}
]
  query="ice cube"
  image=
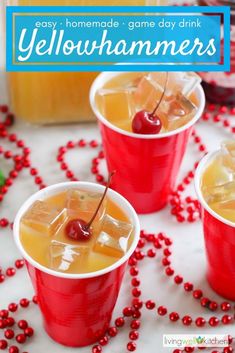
[
  {"x": 227, "y": 205},
  {"x": 113, "y": 237},
  {"x": 44, "y": 218},
  {"x": 183, "y": 82},
  {"x": 63, "y": 255},
  {"x": 83, "y": 204},
  {"x": 116, "y": 104},
  {"x": 220, "y": 193},
  {"x": 228, "y": 157},
  {"x": 149, "y": 91},
  {"x": 175, "y": 111}
]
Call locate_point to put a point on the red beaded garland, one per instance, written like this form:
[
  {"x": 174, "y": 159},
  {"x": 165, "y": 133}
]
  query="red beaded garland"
[{"x": 184, "y": 210}]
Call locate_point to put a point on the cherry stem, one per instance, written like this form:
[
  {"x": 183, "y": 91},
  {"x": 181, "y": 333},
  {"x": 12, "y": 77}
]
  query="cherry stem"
[
  {"x": 101, "y": 200},
  {"x": 162, "y": 96}
]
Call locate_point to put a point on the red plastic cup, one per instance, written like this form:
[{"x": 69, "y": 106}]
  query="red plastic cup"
[
  {"x": 76, "y": 308},
  {"x": 146, "y": 165},
  {"x": 219, "y": 235}
]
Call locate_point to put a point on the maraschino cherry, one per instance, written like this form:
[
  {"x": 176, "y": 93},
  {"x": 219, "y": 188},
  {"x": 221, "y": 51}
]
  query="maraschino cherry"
[
  {"x": 147, "y": 123},
  {"x": 78, "y": 229}
]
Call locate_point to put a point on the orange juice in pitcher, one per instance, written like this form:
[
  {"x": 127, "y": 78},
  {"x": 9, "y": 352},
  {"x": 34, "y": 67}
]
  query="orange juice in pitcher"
[{"x": 56, "y": 97}]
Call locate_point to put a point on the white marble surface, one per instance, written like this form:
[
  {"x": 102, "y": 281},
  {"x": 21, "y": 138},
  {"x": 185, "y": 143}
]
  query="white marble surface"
[{"x": 188, "y": 250}]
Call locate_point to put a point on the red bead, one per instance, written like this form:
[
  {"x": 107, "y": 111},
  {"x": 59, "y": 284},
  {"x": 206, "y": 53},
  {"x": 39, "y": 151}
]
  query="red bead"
[
  {"x": 157, "y": 244},
  {"x": 134, "y": 335},
  {"x": 131, "y": 346},
  {"x": 162, "y": 310},
  {"x": 174, "y": 316},
  {"x": 9, "y": 334},
  {"x": 135, "y": 282},
  {"x": 104, "y": 341},
  {"x": 200, "y": 321},
  {"x": 3, "y": 344},
  {"x": 29, "y": 331},
  {"x": 178, "y": 279},
  {"x": 23, "y": 324},
  {"x": 188, "y": 287},
  {"x": 112, "y": 331},
  {"x": 94, "y": 144},
  {"x": 187, "y": 320},
  {"x": 217, "y": 118},
  {"x": 169, "y": 271},
  {"x": 127, "y": 311},
  {"x": 4, "y": 314},
  {"x": 137, "y": 303},
  {"x": 226, "y": 319},
  {"x": 12, "y": 307},
  {"x": 228, "y": 350},
  {"x": 96, "y": 349},
  {"x": 119, "y": 322},
  {"x": 19, "y": 263},
  {"x": 82, "y": 143},
  {"x": 189, "y": 349},
  {"x": 21, "y": 338},
  {"x": 134, "y": 271},
  {"x": 24, "y": 303},
  {"x": 205, "y": 302},
  {"x": 150, "y": 305},
  {"x": 197, "y": 293},
  {"x": 213, "y": 321},
  {"x": 4, "y": 222},
  {"x": 4, "y": 108},
  {"x": 10, "y": 321},
  {"x": 3, "y": 323},
  {"x": 167, "y": 252},
  {"x": 136, "y": 292},
  {"x": 141, "y": 243},
  {"x": 10, "y": 272},
  {"x": 99, "y": 178},
  {"x": 132, "y": 261},
  {"x": 213, "y": 306},
  {"x": 35, "y": 299},
  {"x": 139, "y": 255},
  {"x": 151, "y": 253},
  {"x": 202, "y": 148},
  {"x": 225, "y": 306},
  {"x": 177, "y": 351},
  {"x": 136, "y": 314},
  {"x": 166, "y": 261},
  {"x": 135, "y": 324},
  {"x": 13, "y": 349}
]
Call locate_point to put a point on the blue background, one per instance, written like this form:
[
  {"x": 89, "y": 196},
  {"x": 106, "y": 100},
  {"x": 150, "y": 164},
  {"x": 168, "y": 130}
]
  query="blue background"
[{"x": 210, "y": 27}]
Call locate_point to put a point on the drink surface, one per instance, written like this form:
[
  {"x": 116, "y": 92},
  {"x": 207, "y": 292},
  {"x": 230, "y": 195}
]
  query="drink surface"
[
  {"x": 44, "y": 236},
  {"x": 126, "y": 94},
  {"x": 218, "y": 182}
]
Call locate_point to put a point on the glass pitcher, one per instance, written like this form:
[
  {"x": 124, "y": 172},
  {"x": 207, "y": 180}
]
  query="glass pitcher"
[{"x": 56, "y": 97}]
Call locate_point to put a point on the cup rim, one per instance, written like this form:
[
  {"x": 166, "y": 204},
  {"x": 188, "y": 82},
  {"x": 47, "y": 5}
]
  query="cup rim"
[
  {"x": 199, "y": 171},
  {"x": 104, "y": 77},
  {"x": 55, "y": 188}
]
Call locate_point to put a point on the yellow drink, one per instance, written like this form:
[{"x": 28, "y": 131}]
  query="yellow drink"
[
  {"x": 218, "y": 183},
  {"x": 128, "y": 93},
  {"x": 44, "y": 234}
]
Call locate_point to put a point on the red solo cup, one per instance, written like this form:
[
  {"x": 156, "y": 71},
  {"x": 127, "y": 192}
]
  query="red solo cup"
[
  {"x": 146, "y": 165},
  {"x": 219, "y": 235},
  {"x": 76, "y": 308}
]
